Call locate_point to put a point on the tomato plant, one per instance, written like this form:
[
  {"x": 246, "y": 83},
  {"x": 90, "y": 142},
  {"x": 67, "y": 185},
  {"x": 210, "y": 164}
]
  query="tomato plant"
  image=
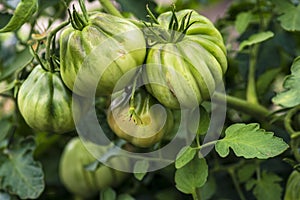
[{"x": 148, "y": 99}]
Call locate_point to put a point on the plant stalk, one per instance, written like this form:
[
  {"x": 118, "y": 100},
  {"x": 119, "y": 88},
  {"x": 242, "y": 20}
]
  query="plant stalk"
[
  {"x": 251, "y": 86},
  {"x": 196, "y": 194},
  {"x": 253, "y": 109},
  {"x": 236, "y": 184},
  {"x": 49, "y": 40},
  {"x": 110, "y": 8}
]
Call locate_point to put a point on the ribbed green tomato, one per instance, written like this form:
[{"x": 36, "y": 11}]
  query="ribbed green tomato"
[
  {"x": 45, "y": 102},
  {"x": 185, "y": 65},
  {"x": 82, "y": 182},
  {"x": 106, "y": 47},
  {"x": 144, "y": 127},
  {"x": 293, "y": 186}
]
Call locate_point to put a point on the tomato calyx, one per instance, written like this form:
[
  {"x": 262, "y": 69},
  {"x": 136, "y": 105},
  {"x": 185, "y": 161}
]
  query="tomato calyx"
[
  {"x": 79, "y": 21},
  {"x": 175, "y": 32}
]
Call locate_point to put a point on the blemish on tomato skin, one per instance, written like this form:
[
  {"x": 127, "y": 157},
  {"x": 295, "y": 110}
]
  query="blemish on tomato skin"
[
  {"x": 171, "y": 89},
  {"x": 121, "y": 53}
]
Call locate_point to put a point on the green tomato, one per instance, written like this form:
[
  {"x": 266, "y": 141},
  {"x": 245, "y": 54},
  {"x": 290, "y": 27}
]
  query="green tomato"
[
  {"x": 107, "y": 47},
  {"x": 142, "y": 124},
  {"x": 188, "y": 61},
  {"x": 82, "y": 182},
  {"x": 46, "y": 103},
  {"x": 293, "y": 186}
]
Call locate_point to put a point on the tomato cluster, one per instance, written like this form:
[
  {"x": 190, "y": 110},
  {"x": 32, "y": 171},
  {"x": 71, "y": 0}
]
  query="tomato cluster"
[{"x": 180, "y": 58}]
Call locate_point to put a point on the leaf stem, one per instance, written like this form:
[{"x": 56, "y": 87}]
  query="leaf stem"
[
  {"x": 288, "y": 120},
  {"x": 236, "y": 184},
  {"x": 255, "y": 110},
  {"x": 196, "y": 194},
  {"x": 207, "y": 144},
  {"x": 251, "y": 86},
  {"x": 294, "y": 135},
  {"x": 258, "y": 174},
  {"x": 110, "y": 8},
  {"x": 49, "y": 40}
]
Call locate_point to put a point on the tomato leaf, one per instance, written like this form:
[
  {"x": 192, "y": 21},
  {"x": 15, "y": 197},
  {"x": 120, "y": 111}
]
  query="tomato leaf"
[
  {"x": 125, "y": 197},
  {"x": 267, "y": 187},
  {"x": 256, "y": 38},
  {"x": 265, "y": 80},
  {"x": 291, "y": 96},
  {"x": 17, "y": 62},
  {"x": 6, "y": 87},
  {"x": 242, "y": 21},
  {"x": 5, "y": 126},
  {"x": 191, "y": 176},
  {"x": 19, "y": 173},
  {"x": 185, "y": 155},
  {"x": 108, "y": 194},
  {"x": 140, "y": 169},
  {"x": 250, "y": 141},
  {"x": 139, "y": 8},
  {"x": 209, "y": 188},
  {"x": 23, "y": 12},
  {"x": 203, "y": 122},
  {"x": 290, "y": 18},
  {"x": 245, "y": 172}
]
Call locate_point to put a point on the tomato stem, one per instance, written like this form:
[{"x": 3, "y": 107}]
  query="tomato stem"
[
  {"x": 38, "y": 58},
  {"x": 151, "y": 15},
  {"x": 294, "y": 135},
  {"x": 196, "y": 194},
  {"x": 255, "y": 110},
  {"x": 110, "y": 8},
  {"x": 251, "y": 86},
  {"x": 288, "y": 120},
  {"x": 49, "y": 40},
  {"x": 133, "y": 114},
  {"x": 236, "y": 184}
]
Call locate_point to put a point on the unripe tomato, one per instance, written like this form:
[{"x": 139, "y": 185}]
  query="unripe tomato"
[
  {"x": 185, "y": 65},
  {"x": 293, "y": 186},
  {"x": 107, "y": 47},
  {"x": 45, "y": 102},
  {"x": 147, "y": 126},
  {"x": 82, "y": 182}
]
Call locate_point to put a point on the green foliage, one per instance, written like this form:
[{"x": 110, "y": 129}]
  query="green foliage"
[
  {"x": 16, "y": 63},
  {"x": 5, "y": 126},
  {"x": 185, "y": 155},
  {"x": 290, "y": 18},
  {"x": 20, "y": 173},
  {"x": 140, "y": 169},
  {"x": 138, "y": 10},
  {"x": 256, "y": 38},
  {"x": 250, "y": 141},
  {"x": 191, "y": 176},
  {"x": 23, "y": 12},
  {"x": 242, "y": 21},
  {"x": 291, "y": 96},
  {"x": 267, "y": 187}
]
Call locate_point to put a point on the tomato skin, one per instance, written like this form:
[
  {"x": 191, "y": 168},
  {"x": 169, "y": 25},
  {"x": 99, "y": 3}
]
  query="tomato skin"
[
  {"x": 293, "y": 186},
  {"x": 187, "y": 69},
  {"x": 85, "y": 183},
  {"x": 107, "y": 47},
  {"x": 46, "y": 103},
  {"x": 148, "y": 129}
]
